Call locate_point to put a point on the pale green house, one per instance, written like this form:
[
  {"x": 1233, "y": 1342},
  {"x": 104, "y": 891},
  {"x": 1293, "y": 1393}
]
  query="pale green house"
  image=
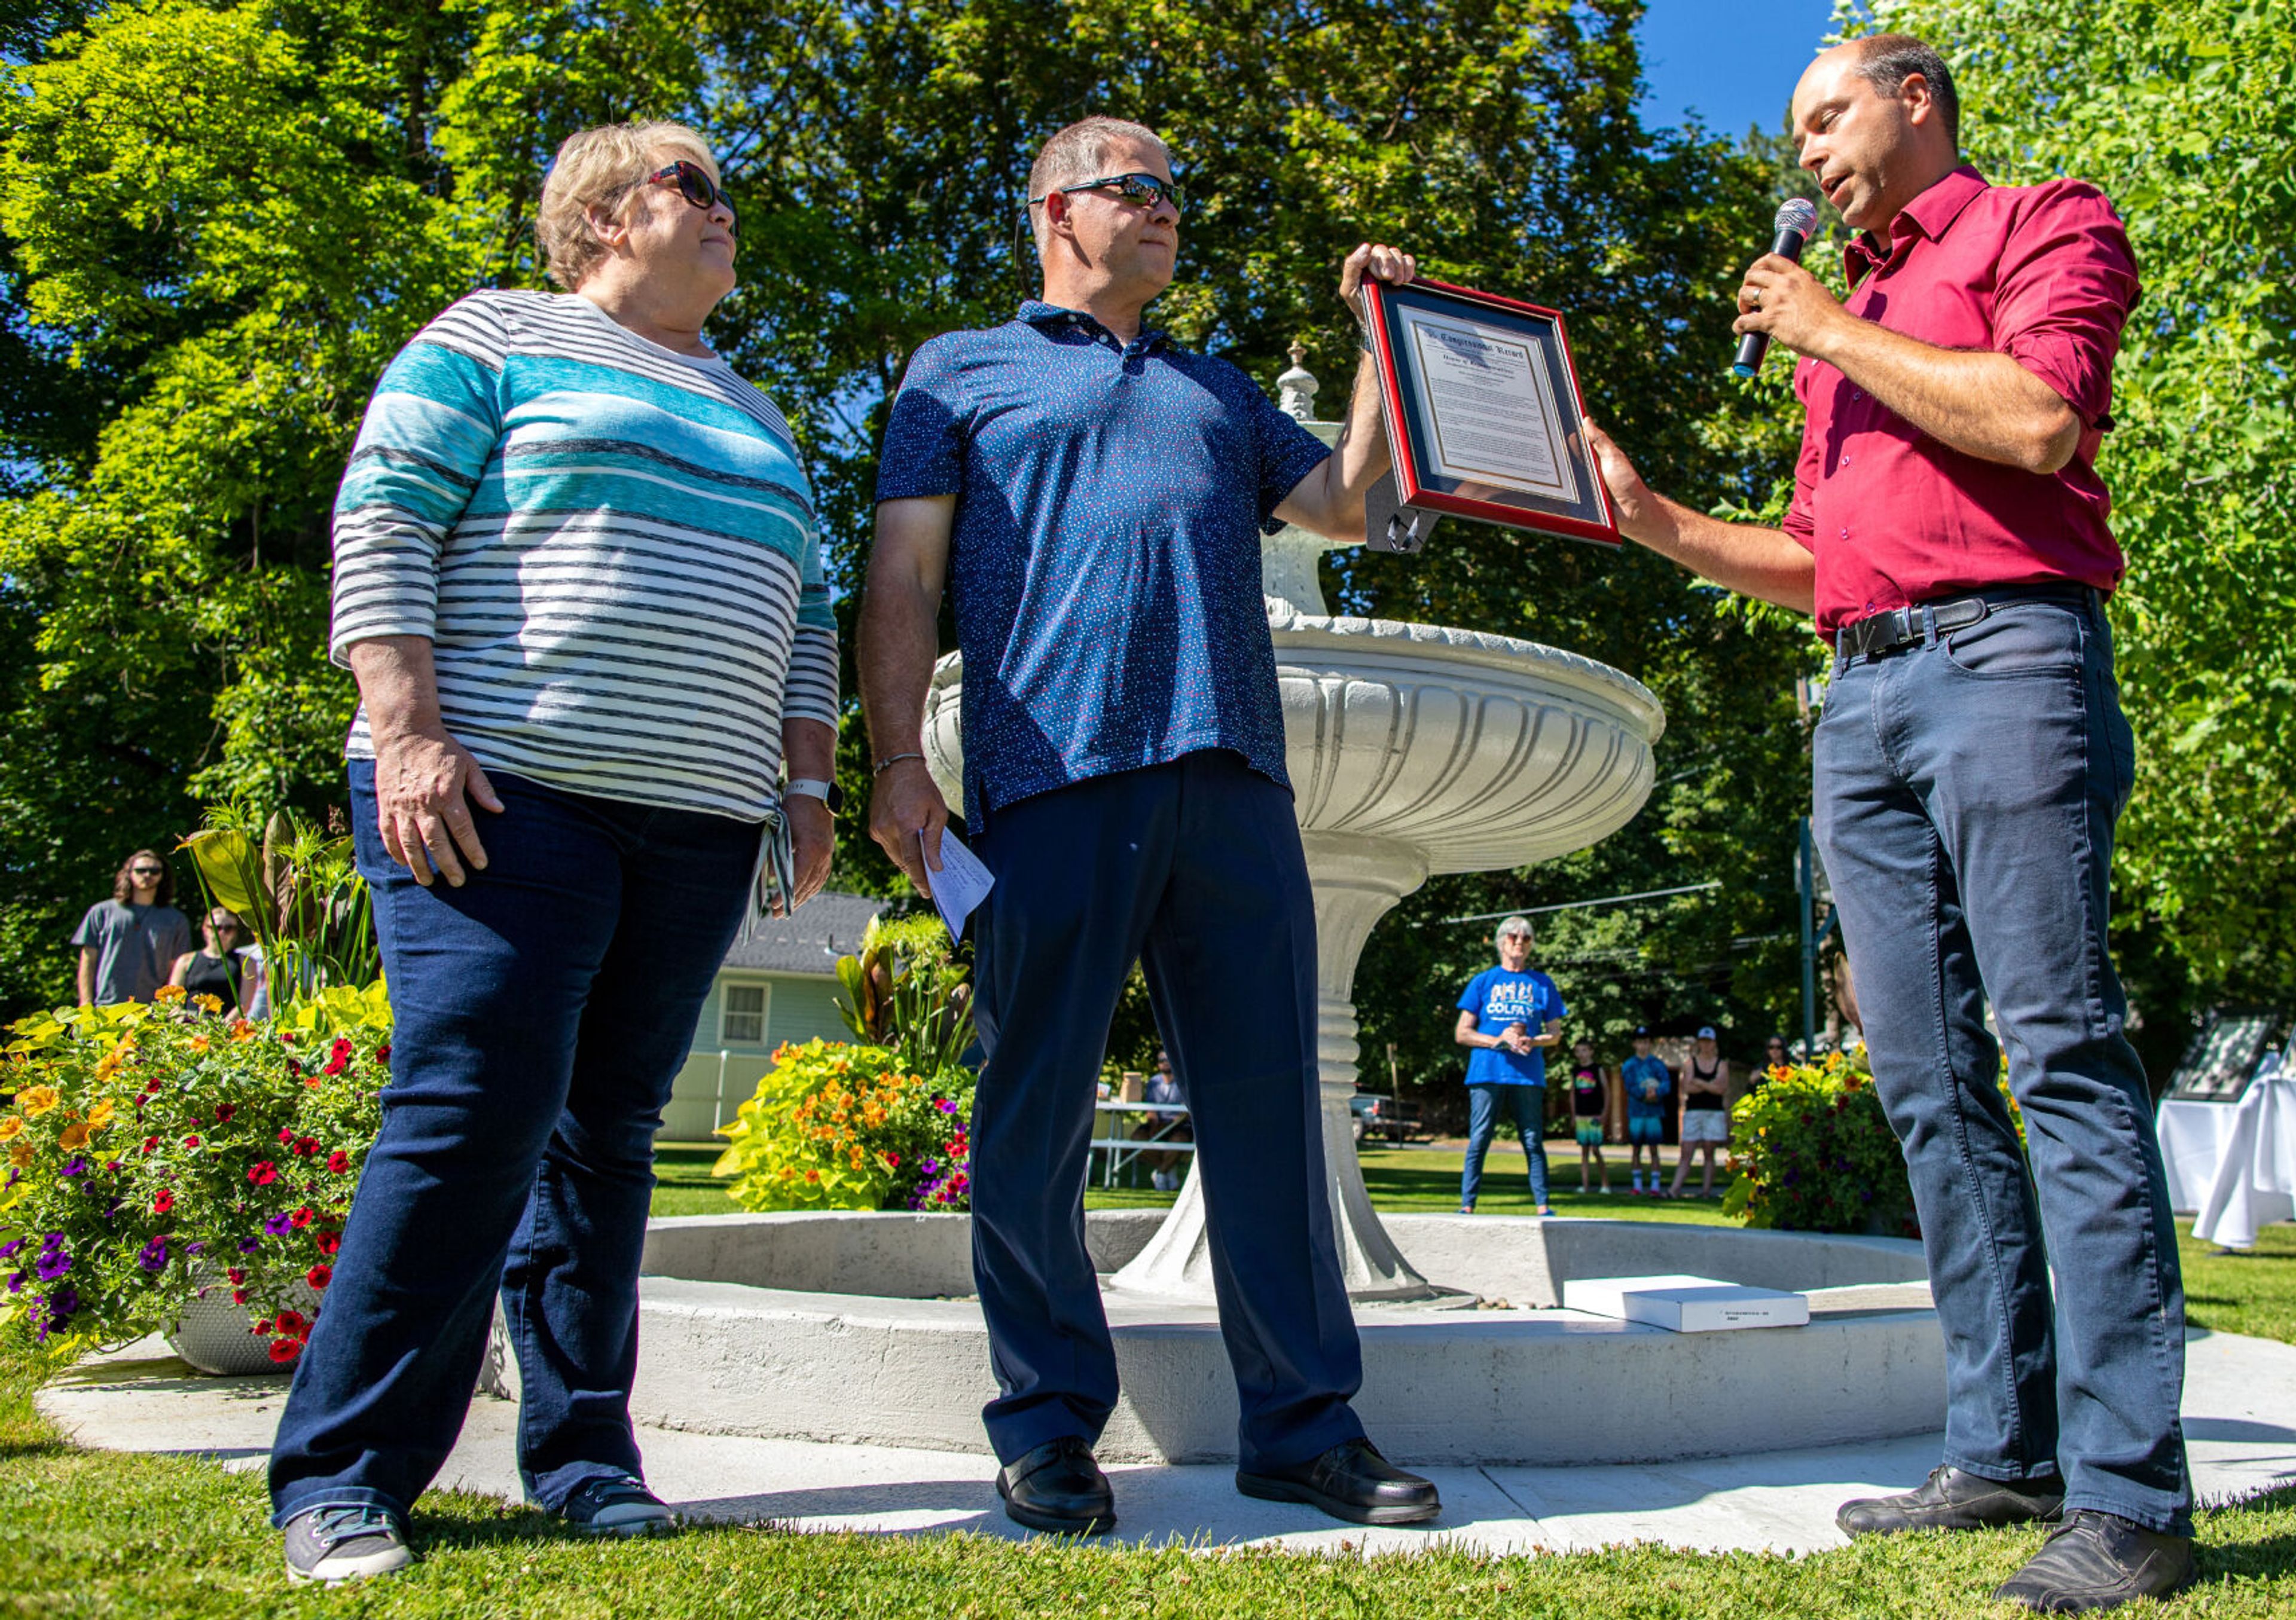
[{"x": 779, "y": 985}]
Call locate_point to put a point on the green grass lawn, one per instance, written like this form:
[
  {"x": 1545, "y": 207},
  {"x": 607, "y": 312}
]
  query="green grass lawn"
[{"x": 92, "y": 1534}]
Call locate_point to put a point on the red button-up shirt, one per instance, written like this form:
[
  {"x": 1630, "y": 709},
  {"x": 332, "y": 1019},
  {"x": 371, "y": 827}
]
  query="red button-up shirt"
[{"x": 2042, "y": 273}]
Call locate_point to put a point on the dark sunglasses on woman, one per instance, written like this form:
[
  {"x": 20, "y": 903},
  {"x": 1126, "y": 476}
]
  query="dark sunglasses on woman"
[{"x": 695, "y": 185}]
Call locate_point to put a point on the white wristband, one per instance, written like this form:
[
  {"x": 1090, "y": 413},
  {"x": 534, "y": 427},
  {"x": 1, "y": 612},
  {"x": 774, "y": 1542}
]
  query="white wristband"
[{"x": 808, "y": 787}]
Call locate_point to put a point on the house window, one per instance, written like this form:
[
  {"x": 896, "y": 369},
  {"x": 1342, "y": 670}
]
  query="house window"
[{"x": 741, "y": 1016}]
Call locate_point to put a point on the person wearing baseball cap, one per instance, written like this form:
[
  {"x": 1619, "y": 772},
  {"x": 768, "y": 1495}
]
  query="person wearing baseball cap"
[
  {"x": 1648, "y": 1084},
  {"x": 1705, "y": 1111}
]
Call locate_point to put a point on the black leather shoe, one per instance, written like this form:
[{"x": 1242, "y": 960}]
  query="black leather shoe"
[
  {"x": 1351, "y": 1481},
  {"x": 1058, "y": 1487},
  {"x": 2097, "y": 1560},
  {"x": 1951, "y": 1500}
]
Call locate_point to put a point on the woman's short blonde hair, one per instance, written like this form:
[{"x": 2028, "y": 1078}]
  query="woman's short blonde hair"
[{"x": 600, "y": 168}]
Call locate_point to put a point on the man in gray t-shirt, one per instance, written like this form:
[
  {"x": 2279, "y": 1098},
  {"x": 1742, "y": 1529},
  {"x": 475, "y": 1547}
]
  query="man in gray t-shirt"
[{"x": 127, "y": 944}]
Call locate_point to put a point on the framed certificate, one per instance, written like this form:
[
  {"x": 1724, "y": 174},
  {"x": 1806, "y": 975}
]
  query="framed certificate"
[{"x": 1482, "y": 411}]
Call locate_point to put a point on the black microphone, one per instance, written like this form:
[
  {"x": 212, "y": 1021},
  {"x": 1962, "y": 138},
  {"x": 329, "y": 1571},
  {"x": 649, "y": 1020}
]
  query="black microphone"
[{"x": 1797, "y": 218}]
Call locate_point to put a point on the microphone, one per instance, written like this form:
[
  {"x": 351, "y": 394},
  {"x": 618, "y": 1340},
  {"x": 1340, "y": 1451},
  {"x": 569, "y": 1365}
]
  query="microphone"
[{"x": 1797, "y": 218}]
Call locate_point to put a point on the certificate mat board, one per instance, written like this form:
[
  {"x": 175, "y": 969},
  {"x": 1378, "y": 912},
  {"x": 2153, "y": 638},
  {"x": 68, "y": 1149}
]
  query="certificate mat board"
[
  {"x": 1483, "y": 413},
  {"x": 1685, "y": 1304}
]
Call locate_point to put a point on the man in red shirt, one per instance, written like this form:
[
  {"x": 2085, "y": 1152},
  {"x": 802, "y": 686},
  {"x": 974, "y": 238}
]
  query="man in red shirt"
[{"x": 1948, "y": 529}]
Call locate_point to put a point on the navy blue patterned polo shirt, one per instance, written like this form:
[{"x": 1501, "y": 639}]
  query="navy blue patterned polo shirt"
[{"x": 1105, "y": 555}]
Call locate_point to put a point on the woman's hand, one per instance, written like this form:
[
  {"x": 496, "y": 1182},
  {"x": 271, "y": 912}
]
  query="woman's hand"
[
  {"x": 425, "y": 785},
  {"x": 813, "y": 842}
]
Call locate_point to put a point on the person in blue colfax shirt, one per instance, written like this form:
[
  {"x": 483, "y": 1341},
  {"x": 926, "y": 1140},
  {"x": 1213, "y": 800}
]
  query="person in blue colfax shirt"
[{"x": 1507, "y": 1065}]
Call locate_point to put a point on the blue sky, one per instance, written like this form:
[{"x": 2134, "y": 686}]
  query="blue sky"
[{"x": 1733, "y": 62}]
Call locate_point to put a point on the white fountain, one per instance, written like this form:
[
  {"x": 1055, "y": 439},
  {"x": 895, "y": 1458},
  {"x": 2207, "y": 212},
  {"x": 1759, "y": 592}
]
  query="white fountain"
[{"x": 1413, "y": 750}]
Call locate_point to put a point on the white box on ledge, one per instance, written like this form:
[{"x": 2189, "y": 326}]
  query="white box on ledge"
[{"x": 1685, "y": 1304}]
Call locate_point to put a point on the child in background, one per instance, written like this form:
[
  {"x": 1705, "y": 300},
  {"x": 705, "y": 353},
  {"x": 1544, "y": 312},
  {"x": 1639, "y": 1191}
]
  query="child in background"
[
  {"x": 1649, "y": 1085},
  {"x": 1590, "y": 1101}
]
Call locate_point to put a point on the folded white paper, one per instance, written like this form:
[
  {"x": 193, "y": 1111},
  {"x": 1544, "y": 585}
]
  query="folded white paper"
[{"x": 960, "y": 884}]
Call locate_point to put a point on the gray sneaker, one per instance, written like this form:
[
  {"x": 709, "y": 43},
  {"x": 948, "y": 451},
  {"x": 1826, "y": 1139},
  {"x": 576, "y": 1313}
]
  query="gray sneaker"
[
  {"x": 617, "y": 1504},
  {"x": 344, "y": 1543}
]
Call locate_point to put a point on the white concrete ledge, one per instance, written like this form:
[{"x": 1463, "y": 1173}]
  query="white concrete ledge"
[{"x": 743, "y": 1340}]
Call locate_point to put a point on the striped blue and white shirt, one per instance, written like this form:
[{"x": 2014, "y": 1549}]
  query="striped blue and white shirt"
[{"x": 610, "y": 546}]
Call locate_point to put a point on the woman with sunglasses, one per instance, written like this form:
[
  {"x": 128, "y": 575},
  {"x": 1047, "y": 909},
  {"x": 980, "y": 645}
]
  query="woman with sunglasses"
[
  {"x": 214, "y": 968},
  {"x": 579, "y": 579}
]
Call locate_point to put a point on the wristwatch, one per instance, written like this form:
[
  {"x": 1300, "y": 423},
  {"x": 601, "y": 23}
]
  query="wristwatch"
[{"x": 812, "y": 787}]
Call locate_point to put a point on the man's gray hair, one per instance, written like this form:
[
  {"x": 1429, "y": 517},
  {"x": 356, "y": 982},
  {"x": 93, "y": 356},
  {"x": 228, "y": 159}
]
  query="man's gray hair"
[
  {"x": 1887, "y": 60},
  {"x": 1512, "y": 925},
  {"x": 1074, "y": 155}
]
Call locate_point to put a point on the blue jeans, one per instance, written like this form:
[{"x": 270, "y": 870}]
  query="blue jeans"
[
  {"x": 1967, "y": 787},
  {"x": 1194, "y": 870},
  {"x": 541, "y": 1012},
  {"x": 1526, "y": 1106}
]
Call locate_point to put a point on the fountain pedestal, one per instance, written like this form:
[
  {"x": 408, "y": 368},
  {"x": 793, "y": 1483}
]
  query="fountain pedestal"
[{"x": 1413, "y": 749}]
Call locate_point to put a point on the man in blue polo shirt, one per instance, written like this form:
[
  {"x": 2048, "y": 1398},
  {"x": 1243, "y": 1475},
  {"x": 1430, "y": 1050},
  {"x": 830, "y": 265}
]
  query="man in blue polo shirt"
[{"x": 1094, "y": 496}]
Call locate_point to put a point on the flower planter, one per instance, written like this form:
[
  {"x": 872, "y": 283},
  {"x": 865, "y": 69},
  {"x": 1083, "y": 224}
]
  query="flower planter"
[{"x": 218, "y": 1338}]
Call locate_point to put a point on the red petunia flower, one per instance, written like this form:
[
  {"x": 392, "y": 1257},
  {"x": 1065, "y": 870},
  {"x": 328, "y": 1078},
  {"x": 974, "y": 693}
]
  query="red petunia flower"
[
  {"x": 319, "y": 1276},
  {"x": 191, "y": 1141},
  {"x": 307, "y": 1145},
  {"x": 338, "y": 1161},
  {"x": 264, "y": 1174},
  {"x": 239, "y": 1295},
  {"x": 329, "y": 1242},
  {"x": 237, "y": 1276},
  {"x": 292, "y": 1323},
  {"x": 339, "y": 1056},
  {"x": 165, "y": 1202},
  {"x": 224, "y": 1113},
  {"x": 285, "y": 1350},
  {"x": 264, "y": 1327},
  {"x": 286, "y": 1138},
  {"x": 150, "y": 1142},
  {"x": 382, "y": 1053},
  {"x": 303, "y": 1216}
]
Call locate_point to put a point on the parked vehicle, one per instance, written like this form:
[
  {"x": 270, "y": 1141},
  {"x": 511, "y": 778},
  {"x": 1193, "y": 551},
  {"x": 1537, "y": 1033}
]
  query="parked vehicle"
[{"x": 1376, "y": 1115}]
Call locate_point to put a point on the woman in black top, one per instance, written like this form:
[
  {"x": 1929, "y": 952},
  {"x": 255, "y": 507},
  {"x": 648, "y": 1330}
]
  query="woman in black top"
[
  {"x": 1705, "y": 1111},
  {"x": 213, "y": 969}
]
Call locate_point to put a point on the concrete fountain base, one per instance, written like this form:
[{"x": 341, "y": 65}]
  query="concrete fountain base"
[{"x": 750, "y": 1327}]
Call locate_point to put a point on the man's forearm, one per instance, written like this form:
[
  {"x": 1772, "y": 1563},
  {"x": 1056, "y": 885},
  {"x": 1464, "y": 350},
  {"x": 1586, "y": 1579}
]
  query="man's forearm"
[
  {"x": 896, "y": 645},
  {"x": 85, "y": 973},
  {"x": 1361, "y": 456},
  {"x": 1742, "y": 557},
  {"x": 398, "y": 683},
  {"x": 1981, "y": 402}
]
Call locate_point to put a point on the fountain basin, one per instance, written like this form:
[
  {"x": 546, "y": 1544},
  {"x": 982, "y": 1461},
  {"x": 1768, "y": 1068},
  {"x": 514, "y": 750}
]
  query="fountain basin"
[{"x": 740, "y": 1336}]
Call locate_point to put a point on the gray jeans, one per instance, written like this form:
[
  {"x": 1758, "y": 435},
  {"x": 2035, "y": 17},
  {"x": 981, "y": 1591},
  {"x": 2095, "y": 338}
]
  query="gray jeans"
[{"x": 1967, "y": 787}]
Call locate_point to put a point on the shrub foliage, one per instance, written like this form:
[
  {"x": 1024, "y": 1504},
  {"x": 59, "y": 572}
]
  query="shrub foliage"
[
  {"x": 838, "y": 1126},
  {"x": 1813, "y": 1152}
]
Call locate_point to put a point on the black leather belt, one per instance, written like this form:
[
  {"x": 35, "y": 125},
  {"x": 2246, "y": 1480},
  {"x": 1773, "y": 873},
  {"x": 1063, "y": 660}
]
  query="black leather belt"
[{"x": 1902, "y": 626}]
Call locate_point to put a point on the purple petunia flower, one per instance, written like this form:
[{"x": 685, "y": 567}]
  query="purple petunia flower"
[
  {"x": 15, "y": 1282},
  {"x": 945, "y": 1105},
  {"x": 77, "y": 1165},
  {"x": 278, "y": 1225},
  {"x": 248, "y": 1246},
  {"x": 8, "y": 1250},
  {"x": 53, "y": 1264},
  {"x": 64, "y": 1301},
  {"x": 153, "y": 1256},
  {"x": 194, "y": 1248}
]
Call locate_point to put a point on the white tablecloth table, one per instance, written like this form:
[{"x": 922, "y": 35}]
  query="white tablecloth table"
[
  {"x": 2255, "y": 1180},
  {"x": 2194, "y": 1136}
]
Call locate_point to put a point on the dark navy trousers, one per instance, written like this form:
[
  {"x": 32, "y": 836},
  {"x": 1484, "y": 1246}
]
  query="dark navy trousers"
[
  {"x": 1194, "y": 870},
  {"x": 540, "y": 1014},
  {"x": 1966, "y": 791}
]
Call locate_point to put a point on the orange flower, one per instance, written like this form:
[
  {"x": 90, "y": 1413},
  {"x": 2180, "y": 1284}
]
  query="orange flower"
[
  {"x": 168, "y": 994},
  {"x": 21, "y": 1155},
  {"x": 100, "y": 1116},
  {"x": 199, "y": 1043},
  {"x": 11, "y": 1128},
  {"x": 75, "y": 1135},
  {"x": 240, "y": 1029},
  {"x": 37, "y": 1100}
]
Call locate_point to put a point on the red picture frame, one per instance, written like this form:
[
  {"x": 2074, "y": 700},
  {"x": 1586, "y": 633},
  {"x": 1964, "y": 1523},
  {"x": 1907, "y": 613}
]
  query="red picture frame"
[{"x": 1561, "y": 491}]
